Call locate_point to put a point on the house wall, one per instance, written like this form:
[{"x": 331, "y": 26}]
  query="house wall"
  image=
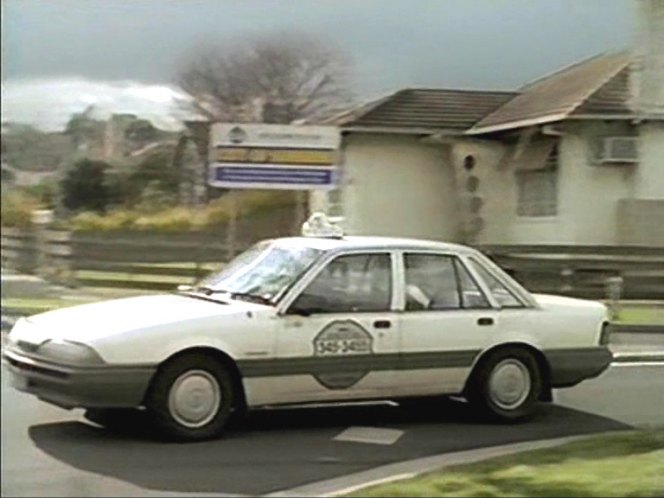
[
  {"x": 401, "y": 186},
  {"x": 496, "y": 187},
  {"x": 496, "y": 172},
  {"x": 588, "y": 194},
  {"x": 649, "y": 182},
  {"x": 648, "y": 61},
  {"x": 398, "y": 186},
  {"x": 641, "y": 217}
]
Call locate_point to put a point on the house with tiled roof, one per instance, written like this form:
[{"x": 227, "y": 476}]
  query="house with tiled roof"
[
  {"x": 392, "y": 180},
  {"x": 574, "y": 157}
]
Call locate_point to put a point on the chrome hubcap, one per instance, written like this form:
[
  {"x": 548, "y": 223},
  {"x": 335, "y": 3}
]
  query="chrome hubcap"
[
  {"x": 509, "y": 384},
  {"x": 194, "y": 398}
]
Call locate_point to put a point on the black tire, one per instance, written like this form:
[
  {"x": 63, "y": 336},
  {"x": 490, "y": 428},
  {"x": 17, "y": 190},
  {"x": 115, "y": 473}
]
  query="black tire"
[
  {"x": 480, "y": 393},
  {"x": 158, "y": 405}
]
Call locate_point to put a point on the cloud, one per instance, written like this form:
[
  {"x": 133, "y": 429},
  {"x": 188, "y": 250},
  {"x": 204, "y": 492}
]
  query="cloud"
[{"x": 49, "y": 103}]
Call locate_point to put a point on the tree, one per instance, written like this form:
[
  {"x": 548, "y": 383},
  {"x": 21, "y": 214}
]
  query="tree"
[
  {"x": 84, "y": 186},
  {"x": 141, "y": 132},
  {"x": 46, "y": 192},
  {"x": 82, "y": 128},
  {"x": 154, "y": 170},
  {"x": 157, "y": 167},
  {"x": 273, "y": 79},
  {"x": 27, "y": 148}
]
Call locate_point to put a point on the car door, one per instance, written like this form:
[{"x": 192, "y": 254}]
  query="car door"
[
  {"x": 447, "y": 320},
  {"x": 338, "y": 339}
]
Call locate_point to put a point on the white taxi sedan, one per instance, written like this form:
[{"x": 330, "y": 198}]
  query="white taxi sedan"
[{"x": 315, "y": 319}]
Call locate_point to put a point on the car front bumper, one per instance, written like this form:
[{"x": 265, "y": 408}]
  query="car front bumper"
[
  {"x": 71, "y": 386},
  {"x": 571, "y": 366}
]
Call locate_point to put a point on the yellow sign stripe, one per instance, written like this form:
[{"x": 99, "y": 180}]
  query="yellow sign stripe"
[{"x": 274, "y": 156}]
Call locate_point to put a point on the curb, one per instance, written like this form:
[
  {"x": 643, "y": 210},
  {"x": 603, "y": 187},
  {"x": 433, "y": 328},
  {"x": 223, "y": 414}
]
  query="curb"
[
  {"x": 628, "y": 328},
  {"x": 411, "y": 468},
  {"x": 640, "y": 357}
]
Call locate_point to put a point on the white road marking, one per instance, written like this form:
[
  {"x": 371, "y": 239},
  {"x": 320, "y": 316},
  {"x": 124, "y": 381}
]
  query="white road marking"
[
  {"x": 370, "y": 435},
  {"x": 638, "y": 353},
  {"x": 638, "y": 364}
]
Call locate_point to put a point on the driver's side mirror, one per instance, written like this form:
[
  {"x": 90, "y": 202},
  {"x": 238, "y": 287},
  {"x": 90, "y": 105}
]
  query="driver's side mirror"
[
  {"x": 297, "y": 310},
  {"x": 306, "y": 305}
]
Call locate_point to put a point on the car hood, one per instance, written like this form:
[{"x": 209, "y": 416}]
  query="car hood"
[{"x": 88, "y": 322}]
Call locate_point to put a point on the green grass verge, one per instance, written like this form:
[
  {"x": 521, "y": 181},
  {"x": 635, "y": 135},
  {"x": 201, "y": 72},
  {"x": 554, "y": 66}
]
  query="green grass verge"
[
  {"x": 185, "y": 265},
  {"x": 641, "y": 315},
  {"x": 27, "y": 306},
  {"x": 130, "y": 277},
  {"x": 623, "y": 464}
]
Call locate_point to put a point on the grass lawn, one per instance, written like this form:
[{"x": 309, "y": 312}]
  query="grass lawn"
[
  {"x": 131, "y": 277},
  {"x": 28, "y": 306},
  {"x": 204, "y": 266},
  {"x": 619, "y": 464},
  {"x": 641, "y": 315}
]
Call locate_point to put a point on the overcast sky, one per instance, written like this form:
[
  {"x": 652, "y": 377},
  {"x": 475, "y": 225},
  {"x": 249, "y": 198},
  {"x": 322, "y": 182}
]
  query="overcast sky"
[{"x": 127, "y": 44}]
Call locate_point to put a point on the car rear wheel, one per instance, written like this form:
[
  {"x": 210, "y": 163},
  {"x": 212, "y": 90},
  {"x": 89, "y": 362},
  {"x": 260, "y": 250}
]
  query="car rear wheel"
[
  {"x": 506, "y": 384},
  {"x": 191, "y": 398}
]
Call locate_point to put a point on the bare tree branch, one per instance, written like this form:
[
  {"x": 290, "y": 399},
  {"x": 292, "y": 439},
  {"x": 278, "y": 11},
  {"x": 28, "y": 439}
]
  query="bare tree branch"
[{"x": 293, "y": 77}]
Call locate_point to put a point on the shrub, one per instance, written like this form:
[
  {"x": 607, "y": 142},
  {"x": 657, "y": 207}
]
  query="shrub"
[
  {"x": 17, "y": 207},
  {"x": 116, "y": 220},
  {"x": 157, "y": 172},
  {"x": 252, "y": 201},
  {"x": 45, "y": 192},
  {"x": 154, "y": 199},
  {"x": 172, "y": 220},
  {"x": 214, "y": 214},
  {"x": 84, "y": 186}
]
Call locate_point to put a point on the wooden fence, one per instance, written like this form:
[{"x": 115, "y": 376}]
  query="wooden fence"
[
  {"x": 145, "y": 260},
  {"x": 584, "y": 271},
  {"x": 136, "y": 259},
  {"x": 162, "y": 261},
  {"x": 19, "y": 249}
]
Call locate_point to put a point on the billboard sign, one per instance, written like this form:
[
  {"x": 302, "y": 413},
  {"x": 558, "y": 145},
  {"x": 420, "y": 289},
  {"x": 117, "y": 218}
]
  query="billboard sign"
[{"x": 274, "y": 156}]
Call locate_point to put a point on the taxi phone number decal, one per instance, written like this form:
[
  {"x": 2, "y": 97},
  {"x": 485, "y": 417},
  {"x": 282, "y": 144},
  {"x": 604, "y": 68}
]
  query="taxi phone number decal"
[{"x": 342, "y": 338}]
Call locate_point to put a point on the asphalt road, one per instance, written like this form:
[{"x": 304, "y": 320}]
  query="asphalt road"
[
  {"x": 629, "y": 394},
  {"x": 51, "y": 452}
]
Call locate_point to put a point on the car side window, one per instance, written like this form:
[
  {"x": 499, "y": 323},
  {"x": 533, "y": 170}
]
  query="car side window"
[
  {"x": 500, "y": 292},
  {"x": 437, "y": 282},
  {"x": 472, "y": 296},
  {"x": 350, "y": 283}
]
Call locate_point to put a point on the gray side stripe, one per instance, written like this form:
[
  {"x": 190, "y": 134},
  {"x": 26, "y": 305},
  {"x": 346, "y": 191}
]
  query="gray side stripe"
[{"x": 316, "y": 365}]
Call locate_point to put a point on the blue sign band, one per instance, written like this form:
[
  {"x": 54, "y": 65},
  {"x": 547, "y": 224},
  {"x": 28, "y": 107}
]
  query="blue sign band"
[{"x": 267, "y": 175}]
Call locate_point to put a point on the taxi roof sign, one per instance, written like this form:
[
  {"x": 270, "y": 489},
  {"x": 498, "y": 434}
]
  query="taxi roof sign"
[{"x": 319, "y": 225}]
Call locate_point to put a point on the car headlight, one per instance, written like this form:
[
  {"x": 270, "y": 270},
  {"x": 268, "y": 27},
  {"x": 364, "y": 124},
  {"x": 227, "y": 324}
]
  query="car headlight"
[{"x": 73, "y": 353}]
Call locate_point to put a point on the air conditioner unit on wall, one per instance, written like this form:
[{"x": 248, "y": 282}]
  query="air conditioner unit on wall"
[{"x": 618, "y": 150}]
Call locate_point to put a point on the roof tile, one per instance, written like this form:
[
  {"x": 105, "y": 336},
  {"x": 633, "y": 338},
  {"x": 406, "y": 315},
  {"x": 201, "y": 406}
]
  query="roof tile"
[
  {"x": 597, "y": 85},
  {"x": 426, "y": 108}
]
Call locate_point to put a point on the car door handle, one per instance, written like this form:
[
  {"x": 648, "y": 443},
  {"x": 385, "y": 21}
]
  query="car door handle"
[
  {"x": 485, "y": 320},
  {"x": 382, "y": 324}
]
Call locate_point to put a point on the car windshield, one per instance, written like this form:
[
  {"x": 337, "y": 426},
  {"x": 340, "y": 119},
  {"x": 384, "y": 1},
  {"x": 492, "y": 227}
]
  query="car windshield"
[{"x": 264, "y": 271}]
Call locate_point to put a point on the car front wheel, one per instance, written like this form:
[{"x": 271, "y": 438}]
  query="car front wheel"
[
  {"x": 191, "y": 398},
  {"x": 507, "y": 384}
]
